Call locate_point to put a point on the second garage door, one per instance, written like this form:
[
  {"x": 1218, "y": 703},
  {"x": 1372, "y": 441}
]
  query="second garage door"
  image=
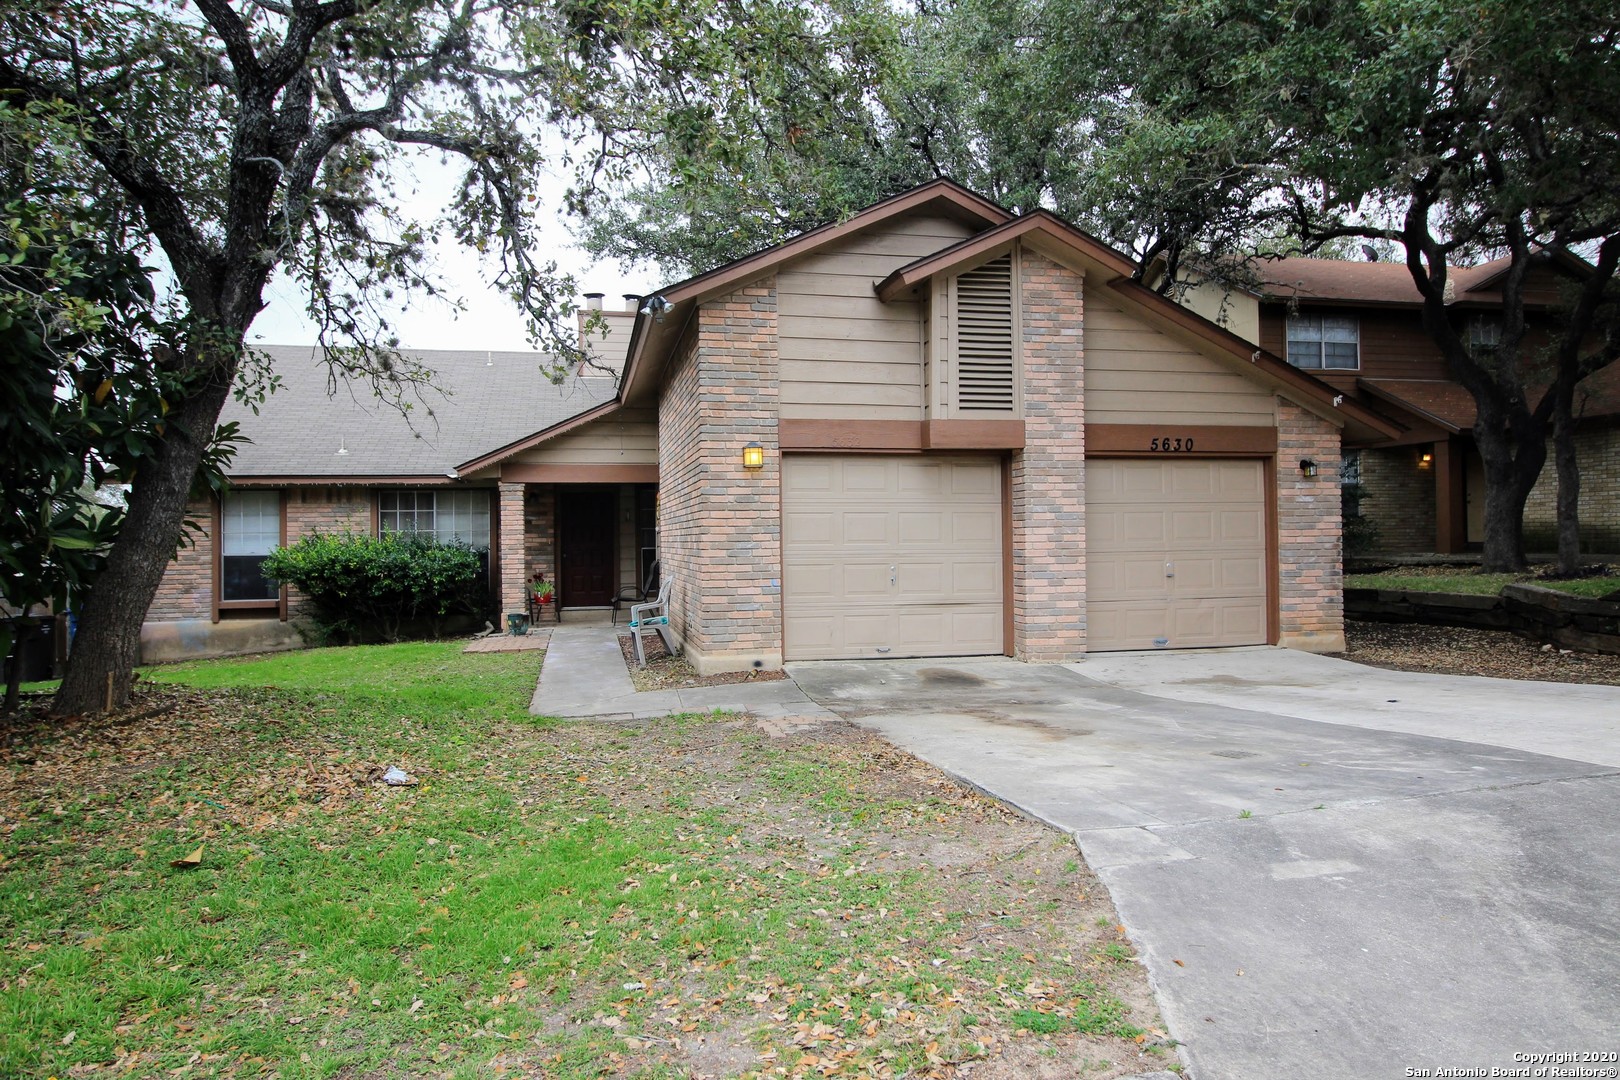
[
  {"x": 890, "y": 556},
  {"x": 1175, "y": 554}
]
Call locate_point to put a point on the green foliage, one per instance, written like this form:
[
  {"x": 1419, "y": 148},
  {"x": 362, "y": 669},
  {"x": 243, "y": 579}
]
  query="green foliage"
[
  {"x": 366, "y": 587},
  {"x": 83, "y": 403},
  {"x": 1469, "y": 581}
]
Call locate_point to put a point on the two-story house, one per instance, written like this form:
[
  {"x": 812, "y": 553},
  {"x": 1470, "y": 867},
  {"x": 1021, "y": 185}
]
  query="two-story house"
[
  {"x": 1357, "y": 326},
  {"x": 934, "y": 429}
]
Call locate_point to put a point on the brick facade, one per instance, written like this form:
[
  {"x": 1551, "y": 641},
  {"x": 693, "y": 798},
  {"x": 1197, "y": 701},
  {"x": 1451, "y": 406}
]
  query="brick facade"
[
  {"x": 1597, "y": 450},
  {"x": 1398, "y": 498},
  {"x": 514, "y": 573},
  {"x": 719, "y": 524},
  {"x": 1310, "y": 563},
  {"x": 187, "y": 588},
  {"x": 1048, "y": 476},
  {"x": 324, "y": 510}
]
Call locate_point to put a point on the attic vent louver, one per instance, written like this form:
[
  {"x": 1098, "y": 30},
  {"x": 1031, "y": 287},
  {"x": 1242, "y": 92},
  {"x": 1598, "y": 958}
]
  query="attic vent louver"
[{"x": 985, "y": 376}]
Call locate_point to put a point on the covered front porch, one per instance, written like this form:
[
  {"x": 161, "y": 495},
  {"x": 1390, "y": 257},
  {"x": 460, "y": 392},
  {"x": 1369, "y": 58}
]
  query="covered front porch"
[{"x": 592, "y": 536}]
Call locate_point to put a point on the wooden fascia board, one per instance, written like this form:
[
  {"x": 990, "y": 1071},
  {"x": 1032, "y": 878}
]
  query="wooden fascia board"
[
  {"x": 343, "y": 480},
  {"x": 1306, "y": 390},
  {"x": 495, "y": 457},
  {"x": 723, "y": 279},
  {"x": 1040, "y": 226},
  {"x": 1406, "y": 406}
]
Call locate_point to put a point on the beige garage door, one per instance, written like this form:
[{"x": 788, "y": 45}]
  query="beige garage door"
[
  {"x": 1175, "y": 554},
  {"x": 890, "y": 556}
]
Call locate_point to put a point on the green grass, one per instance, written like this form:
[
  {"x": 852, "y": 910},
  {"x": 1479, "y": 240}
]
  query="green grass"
[
  {"x": 551, "y": 899},
  {"x": 1474, "y": 583}
]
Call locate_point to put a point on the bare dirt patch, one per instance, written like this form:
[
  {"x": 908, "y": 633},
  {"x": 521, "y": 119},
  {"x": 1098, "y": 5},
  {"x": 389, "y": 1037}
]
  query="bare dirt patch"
[
  {"x": 1451, "y": 650},
  {"x": 666, "y": 672}
]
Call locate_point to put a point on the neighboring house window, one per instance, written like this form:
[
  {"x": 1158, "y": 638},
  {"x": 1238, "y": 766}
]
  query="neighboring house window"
[
  {"x": 1484, "y": 332},
  {"x": 447, "y": 515},
  {"x": 250, "y": 527},
  {"x": 1350, "y": 483},
  {"x": 1324, "y": 342}
]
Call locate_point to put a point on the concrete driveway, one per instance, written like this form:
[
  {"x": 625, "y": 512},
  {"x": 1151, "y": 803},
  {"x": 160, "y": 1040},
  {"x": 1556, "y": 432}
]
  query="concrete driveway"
[{"x": 1331, "y": 871}]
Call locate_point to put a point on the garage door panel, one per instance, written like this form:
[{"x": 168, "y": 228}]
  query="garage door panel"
[
  {"x": 919, "y": 526},
  {"x": 858, "y": 528},
  {"x": 918, "y": 581},
  {"x": 975, "y": 581},
  {"x": 911, "y": 565},
  {"x": 808, "y": 528},
  {"x": 981, "y": 528},
  {"x": 1210, "y": 530}
]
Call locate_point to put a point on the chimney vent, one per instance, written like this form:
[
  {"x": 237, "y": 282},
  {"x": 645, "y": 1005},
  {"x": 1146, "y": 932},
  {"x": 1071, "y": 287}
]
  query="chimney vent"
[
  {"x": 632, "y": 302},
  {"x": 593, "y": 301}
]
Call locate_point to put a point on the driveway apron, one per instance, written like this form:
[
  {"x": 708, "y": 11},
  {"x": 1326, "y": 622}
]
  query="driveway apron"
[{"x": 1312, "y": 899}]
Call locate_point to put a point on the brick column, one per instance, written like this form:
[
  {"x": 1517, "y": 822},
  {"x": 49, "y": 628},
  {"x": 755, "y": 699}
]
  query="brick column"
[
  {"x": 514, "y": 571},
  {"x": 1309, "y": 533},
  {"x": 720, "y": 524},
  {"x": 1049, "y": 474}
]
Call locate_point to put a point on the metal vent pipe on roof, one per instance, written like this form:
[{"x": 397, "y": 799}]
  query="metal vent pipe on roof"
[{"x": 593, "y": 301}]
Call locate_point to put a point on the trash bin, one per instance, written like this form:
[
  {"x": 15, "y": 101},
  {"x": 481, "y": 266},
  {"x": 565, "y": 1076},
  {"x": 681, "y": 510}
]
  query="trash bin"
[
  {"x": 517, "y": 623},
  {"x": 35, "y": 649}
]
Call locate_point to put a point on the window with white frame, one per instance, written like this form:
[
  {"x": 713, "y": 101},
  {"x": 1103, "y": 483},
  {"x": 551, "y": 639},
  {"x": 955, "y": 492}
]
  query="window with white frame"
[
  {"x": 250, "y": 528},
  {"x": 1484, "y": 332},
  {"x": 446, "y": 515},
  {"x": 1324, "y": 342}
]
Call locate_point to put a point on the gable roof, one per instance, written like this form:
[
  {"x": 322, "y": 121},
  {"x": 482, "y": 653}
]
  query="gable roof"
[
  {"x": 485, "y": 400},
  {"x": 1048, "y": 232},
  {"x": 653, "y": 337},
  {"x": 1390, "y": 283}
]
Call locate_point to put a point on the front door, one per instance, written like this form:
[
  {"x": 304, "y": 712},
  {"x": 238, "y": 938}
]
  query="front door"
[{"x": 585, "y": 548}]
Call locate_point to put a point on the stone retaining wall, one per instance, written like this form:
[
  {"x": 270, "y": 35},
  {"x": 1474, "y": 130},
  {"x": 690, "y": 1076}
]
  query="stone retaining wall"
[{"x": 1571, "y": 622}]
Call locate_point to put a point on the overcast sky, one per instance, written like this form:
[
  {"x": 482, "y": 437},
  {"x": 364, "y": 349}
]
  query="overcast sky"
[{"x": 488, "y": 320}]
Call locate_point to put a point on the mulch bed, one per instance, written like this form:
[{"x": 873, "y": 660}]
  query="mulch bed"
[
  {"x": 1451, "y": 650},
  {"x": 666, "y": 672}
]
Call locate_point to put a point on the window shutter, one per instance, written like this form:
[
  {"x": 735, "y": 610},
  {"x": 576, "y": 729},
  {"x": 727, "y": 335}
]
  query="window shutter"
[{"x": 985, "y": 373}]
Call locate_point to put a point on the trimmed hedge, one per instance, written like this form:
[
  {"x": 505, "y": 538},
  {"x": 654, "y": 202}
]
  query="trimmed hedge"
[{"x": 364, "y": 588}]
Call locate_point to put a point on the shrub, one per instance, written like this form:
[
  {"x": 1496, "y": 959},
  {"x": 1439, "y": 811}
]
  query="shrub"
[{"x": 369, "y": 587}]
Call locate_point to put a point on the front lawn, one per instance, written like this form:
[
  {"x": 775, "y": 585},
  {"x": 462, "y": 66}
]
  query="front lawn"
[
  {"x": 552, "y": 899},
  {"x": 1454, "y": 579}
]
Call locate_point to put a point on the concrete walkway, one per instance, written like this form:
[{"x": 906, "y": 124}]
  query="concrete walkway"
[
  {"x": 1400, "y": 884},
  {"x": 584, "y": 675}
]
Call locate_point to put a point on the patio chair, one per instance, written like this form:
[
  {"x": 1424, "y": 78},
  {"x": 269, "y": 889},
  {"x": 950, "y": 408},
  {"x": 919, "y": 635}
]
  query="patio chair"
[
  {"x": 652, "y": 616},
  {"x": 637, "y": 594}
]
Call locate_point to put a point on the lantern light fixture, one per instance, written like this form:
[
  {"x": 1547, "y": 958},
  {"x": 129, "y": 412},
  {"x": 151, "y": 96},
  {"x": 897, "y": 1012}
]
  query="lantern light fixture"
[
  {"x": 1307, "y": 468},
  {"x": 753, "y": 457}
]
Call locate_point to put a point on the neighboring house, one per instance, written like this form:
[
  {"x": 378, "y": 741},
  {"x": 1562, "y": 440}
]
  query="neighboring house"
[
  {"x": 933, "y": 429},
  {"x": 1358, "y": 327}
]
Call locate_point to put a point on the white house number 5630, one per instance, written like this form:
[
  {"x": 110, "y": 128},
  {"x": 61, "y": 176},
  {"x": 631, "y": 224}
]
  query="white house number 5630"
[{"x": 1168, "y": 445}]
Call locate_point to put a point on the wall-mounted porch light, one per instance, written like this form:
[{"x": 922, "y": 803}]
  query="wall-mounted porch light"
[
  {"x": 753, "y": 456},
  {"x": 1425, "y": 459},
  {"x": 1307, "y": 469}
]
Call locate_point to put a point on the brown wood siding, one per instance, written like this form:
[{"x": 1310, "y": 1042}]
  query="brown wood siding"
[
  {"x": 1394, "y": 344},
  {"x": 626, "y": 437},
  {"x": 1136, "y": 374},
  {"x": 845, "y": 354}
]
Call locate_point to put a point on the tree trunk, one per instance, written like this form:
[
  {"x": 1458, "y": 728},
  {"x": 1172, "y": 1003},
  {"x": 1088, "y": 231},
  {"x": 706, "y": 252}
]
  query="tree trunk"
[
  {"x": 1569, "y": 482},
  {"x": 101, "y": 669},
  {"x": 1510, "y": 474}
]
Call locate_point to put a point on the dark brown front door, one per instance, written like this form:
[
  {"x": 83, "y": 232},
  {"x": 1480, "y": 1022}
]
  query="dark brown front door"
[{"x": 585, "y": 529}]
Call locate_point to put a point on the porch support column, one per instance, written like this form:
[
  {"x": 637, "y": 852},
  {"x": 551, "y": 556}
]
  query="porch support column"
[
  {"x": 514, "y": 565},
  {"x": 1450, "y": 510}
]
